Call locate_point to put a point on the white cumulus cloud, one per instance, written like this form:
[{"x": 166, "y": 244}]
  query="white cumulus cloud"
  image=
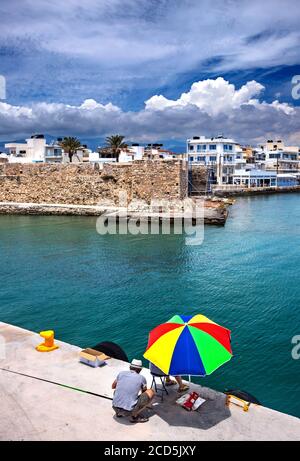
[
  {"x": 210, "y": 107},
  {"x": 217, "y": 96},
  {"x": 91, "y": 104}
]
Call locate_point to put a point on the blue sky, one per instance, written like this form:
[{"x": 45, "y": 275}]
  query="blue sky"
[{"x": 150, "y": 69}]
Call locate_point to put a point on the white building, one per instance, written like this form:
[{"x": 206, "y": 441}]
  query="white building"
[
  {"x": 275, "y": 156},
  {"x": 35, "y": 150},
  {"x": 254, "y": 178},
  {"x": 154, "y": 153},
  {"x": 222, "y": 155},
  {"x": 264, "y": 178},
  {"x": 131, "y": 154},
  {"x": 95, "y": 157},
  {"x": 81, "y": 155}
]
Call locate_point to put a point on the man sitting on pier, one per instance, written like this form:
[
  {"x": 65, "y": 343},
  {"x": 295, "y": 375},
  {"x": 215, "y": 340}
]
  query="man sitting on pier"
[{"x": 128, "y": 385}]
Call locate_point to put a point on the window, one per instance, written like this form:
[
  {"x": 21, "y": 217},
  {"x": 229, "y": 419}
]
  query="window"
[
  {"x": 212, "y": 158},
  {"x": 192, "y": 159},
  {"x": 227, "y": 147},
  {"x": 213, "y": 147},
  {"x": 191, "y": 147},
  {"x": 201, "y": 147},
  {"x": 201, "y": 158}
]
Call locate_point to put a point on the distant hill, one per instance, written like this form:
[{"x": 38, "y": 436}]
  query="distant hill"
[{"x": 2, "y": 148}]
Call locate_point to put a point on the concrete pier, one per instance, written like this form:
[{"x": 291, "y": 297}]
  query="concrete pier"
[
  {"x": 37, "y": 405},
  {"x": 235, "y": 191}
]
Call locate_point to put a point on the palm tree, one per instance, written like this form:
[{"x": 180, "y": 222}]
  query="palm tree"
[
  {"x": 70, "y": 145},
  {"x": 115, "y": 143}
]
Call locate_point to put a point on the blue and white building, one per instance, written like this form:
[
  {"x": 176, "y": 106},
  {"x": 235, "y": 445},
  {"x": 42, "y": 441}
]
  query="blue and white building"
[
  {"x": 221, "y": 155},
  {"x": 254, "y": 178}
]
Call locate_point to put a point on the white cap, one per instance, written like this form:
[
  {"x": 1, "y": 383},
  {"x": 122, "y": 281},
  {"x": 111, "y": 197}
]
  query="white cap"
[{"x": 136, "y": 363}]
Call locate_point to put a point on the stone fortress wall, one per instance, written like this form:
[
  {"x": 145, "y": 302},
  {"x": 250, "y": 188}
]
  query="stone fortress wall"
[{"x": 87, "y": 184}]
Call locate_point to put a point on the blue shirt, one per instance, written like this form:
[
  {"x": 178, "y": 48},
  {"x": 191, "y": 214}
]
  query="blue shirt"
[{"x": 129, "y": 384}]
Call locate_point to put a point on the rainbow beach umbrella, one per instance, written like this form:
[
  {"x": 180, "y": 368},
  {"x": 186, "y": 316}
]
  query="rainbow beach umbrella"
[{"x": 189, "y": 345}]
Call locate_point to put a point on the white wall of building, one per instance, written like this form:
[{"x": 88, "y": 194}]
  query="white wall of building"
[
  {"x": 274, "y": 155},
  {"x": 222, "y": 154},
  {"x": 33, "y": 151},
  {"x": 94, "y": 157}
]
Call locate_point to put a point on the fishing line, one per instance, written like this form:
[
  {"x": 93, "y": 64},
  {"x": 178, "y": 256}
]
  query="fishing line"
[{"x": 57, "y": 384}]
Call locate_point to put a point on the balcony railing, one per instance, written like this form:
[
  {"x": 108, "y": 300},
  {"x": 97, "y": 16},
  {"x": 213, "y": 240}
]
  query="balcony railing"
[{"x": 52, "y": 154}]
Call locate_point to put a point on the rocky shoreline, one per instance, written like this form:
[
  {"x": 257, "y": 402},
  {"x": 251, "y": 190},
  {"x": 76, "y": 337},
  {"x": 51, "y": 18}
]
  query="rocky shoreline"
[{"x": 215, "y": 211}]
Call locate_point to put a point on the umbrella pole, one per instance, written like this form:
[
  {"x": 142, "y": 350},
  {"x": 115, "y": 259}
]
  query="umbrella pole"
[{"x": 190, "y": 379}]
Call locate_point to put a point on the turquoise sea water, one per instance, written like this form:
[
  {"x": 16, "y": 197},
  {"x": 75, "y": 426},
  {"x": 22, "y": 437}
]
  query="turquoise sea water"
[{"x": 57, "y": 272}]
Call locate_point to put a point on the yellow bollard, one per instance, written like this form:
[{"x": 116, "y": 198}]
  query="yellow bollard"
[
  {"x": 237, "y": 401},
  {"x": 48, "y": 345}
]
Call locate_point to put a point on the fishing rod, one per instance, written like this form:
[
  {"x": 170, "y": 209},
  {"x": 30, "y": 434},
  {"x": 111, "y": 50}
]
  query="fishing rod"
[{"x": 57, "y": 384}]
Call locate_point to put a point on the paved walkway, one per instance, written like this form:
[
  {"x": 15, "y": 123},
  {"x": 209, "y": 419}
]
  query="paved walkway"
[{"x": 37, "y": 410}]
